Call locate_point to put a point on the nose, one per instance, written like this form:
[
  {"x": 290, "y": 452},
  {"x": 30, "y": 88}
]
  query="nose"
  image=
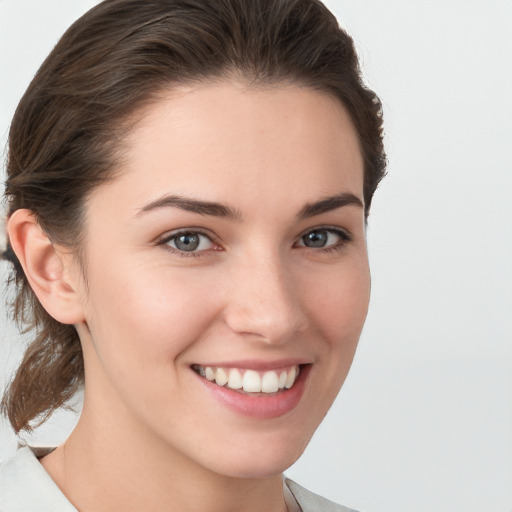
[{"x": 264, "y": 301}]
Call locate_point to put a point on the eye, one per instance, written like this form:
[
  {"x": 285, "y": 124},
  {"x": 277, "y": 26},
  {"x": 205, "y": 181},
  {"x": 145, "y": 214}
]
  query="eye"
[
  {"x": 188, "y": 242},
  {"x": 323, "y": 238}
]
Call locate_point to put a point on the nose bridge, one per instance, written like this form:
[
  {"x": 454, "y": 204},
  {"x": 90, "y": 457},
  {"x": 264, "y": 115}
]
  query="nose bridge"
[{"x": 263, "y": 299}]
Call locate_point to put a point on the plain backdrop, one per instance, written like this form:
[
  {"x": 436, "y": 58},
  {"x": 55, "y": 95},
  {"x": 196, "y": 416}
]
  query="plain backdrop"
[{"x": 424, "y": 421}]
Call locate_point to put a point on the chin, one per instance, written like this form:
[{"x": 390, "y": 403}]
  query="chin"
[
  {"x": 260, "y": 467},
  {"x": 261, "y": 458}
]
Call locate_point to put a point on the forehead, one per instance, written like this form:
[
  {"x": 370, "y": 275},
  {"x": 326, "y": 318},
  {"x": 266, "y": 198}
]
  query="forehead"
[{"x": 240, "y": 144}]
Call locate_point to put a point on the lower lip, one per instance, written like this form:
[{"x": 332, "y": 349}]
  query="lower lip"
[{"x": 261, "y": 405}]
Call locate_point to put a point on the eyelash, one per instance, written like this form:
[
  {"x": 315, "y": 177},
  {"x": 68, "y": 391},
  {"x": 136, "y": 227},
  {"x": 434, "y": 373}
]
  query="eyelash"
[
  {"x": 344, "y": 238},
  {"x": 185, "y": 254}
]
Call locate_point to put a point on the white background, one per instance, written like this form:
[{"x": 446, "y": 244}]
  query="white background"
[{"x": 424, "y": 421}]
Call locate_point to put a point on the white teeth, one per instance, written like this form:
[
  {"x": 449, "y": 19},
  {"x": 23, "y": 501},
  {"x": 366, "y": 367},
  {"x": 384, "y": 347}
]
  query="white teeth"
[
  {"x": 290, "y": 379},
  {"x": 221, "y": 377},
  {"x": 252, "y": 382},
  {"x": 249, "y": 380},
  {"x": 270, "y": 382},
  {"x": 235, "y": 379}
]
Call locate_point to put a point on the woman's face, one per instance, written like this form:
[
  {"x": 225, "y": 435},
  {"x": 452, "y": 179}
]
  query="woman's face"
[{"x": 231, "y": 247}]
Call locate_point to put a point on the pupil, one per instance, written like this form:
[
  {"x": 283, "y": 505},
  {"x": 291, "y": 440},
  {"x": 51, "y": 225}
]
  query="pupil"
[
  {"x": 187, "y": 242},
  {"x": 315, "y": 239}
]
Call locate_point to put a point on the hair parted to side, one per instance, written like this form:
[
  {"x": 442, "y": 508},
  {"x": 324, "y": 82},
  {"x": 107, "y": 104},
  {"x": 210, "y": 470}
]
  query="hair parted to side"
[{"x": 66, "y": 135}]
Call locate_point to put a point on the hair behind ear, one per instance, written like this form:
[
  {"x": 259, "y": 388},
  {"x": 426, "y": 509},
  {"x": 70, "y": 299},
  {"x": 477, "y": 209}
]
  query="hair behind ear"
[{"x": 49, "y": 375}]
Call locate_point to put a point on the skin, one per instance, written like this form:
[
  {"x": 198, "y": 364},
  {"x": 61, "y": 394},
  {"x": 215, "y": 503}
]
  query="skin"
[{"x": 150, "y": 437}]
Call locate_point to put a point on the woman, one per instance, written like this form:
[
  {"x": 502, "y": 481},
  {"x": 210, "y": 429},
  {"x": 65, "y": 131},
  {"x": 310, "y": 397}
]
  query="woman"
[{"x": 188, "y": 188}]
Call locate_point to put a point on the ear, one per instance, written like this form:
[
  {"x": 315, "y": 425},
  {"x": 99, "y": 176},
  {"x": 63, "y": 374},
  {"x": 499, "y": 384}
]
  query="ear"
[{"x": 50, "y": 270}]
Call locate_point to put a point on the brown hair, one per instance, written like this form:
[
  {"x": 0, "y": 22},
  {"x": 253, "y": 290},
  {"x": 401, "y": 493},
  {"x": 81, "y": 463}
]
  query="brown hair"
[{"x": 65, "y": 135}]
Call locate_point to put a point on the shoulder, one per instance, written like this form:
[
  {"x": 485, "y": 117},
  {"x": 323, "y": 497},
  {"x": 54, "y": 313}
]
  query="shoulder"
[
  {"x": 26, "y": 487},
  {"x": 311, "y": 502}
]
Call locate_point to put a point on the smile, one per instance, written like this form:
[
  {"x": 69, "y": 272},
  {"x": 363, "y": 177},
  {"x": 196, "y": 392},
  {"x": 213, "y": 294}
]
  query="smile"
[{"x": 250, "y": 381}]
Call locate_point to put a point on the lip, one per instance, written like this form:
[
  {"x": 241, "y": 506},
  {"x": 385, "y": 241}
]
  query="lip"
[
  {"x": 257, "y": 365},
  {"x": 259, "y": 406}
]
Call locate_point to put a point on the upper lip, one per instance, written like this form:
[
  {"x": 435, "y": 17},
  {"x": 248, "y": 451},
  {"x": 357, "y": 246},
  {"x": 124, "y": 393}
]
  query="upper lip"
[{"x": 257, "y": 364}]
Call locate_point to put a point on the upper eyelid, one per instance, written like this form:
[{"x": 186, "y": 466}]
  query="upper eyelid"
[
  {"x": 169, "y": 235},
  {"x": 334, "y": 229},
  {"x": 345, "y": 233}
]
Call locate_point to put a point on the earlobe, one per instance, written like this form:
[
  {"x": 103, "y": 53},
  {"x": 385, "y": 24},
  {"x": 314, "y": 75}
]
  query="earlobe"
[{"x": 46, "y": 267}]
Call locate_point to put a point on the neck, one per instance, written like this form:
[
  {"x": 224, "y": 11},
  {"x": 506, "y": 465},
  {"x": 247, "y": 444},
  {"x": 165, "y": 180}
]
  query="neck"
[{"x": 125, "y": 469}]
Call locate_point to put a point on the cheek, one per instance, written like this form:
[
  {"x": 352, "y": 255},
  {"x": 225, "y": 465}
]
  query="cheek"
[
  {"x": 337, "y": 310},
  {"x": 142, "y": 321},
  {"x": 340, "y": 305}
]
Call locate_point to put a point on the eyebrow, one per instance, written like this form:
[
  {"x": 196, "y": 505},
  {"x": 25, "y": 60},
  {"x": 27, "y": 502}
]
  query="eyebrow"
[
  {"x": 328, "y": 204},
  {"x": 212, "y": 209},
  {"x": 192, "y": 205}
]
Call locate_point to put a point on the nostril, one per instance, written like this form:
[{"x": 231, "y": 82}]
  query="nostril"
[{"x": 269, "y": 321}]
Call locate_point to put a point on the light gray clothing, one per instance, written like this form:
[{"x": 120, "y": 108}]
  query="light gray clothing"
[{"x": 25, "y": 486}]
